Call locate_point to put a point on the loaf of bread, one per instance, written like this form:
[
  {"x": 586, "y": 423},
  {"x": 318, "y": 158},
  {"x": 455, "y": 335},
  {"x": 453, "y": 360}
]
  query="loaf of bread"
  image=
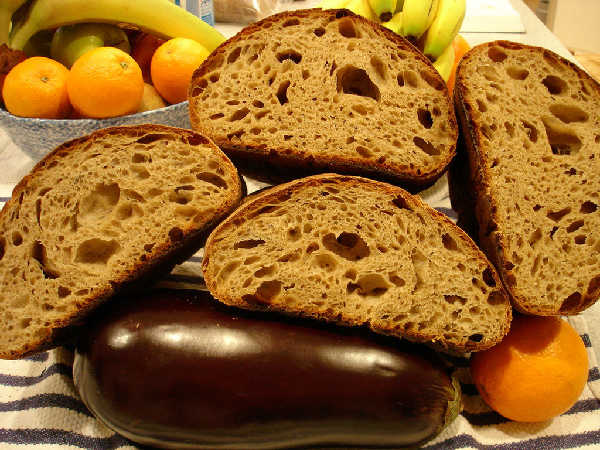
[
  {"x": 531, "y": 125},
  {"x": 99, "y": 213},
  {"x": 355, "y": 251},
  {"x": 326, "y": 90}
]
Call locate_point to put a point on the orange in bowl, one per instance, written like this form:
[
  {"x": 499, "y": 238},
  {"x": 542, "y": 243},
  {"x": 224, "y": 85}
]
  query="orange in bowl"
[
  {"x": 536, "y": 373},
  {"x": 105, "y": 82},
  {"x": 172, "y": 66},
  {"x": 37, "y": 87}
]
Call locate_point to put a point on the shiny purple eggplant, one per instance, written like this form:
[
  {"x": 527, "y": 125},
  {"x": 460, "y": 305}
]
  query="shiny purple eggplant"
[{"x": 177, "y": 369}]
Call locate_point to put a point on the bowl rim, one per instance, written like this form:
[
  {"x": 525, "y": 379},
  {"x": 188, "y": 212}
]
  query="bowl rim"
[{"x": 35, "y": 120}]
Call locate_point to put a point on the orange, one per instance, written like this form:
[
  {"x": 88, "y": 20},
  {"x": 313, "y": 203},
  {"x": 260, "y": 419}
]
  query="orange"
[
  {"x": 172, "y": 66},
  {"x": 461, "y": 46},
  {"x": 105, "y": 82},
  {"x": 37, "y": 87},
  {"x": 537, "y": 372}
]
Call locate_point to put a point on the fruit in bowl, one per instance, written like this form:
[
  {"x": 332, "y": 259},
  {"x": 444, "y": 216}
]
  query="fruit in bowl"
[{"x": 83, "y": 66}]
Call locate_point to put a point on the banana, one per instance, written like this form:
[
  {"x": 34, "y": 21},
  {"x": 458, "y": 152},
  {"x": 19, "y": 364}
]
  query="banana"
[
  {"x": 159, "y": 17},
  {"x": 362, "y": 8},
  {"x": 383, "y": 9},
  {"x": 444, "y": 27},
  {"x": 7, "y": 9},
  {"x": 445, "y": 62},
  {"x": 395, "y": 23},
  {"x": 418, "y": 15},
  {"x": 332, "y": 4}
]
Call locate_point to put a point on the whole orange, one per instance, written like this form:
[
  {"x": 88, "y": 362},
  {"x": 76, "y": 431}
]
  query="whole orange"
[
  {"x": 537, "y": 372},
  {"x": 172, "y": 66},
  {"x": 105, "y": 82},
  {"x": 37, "y": 87}
]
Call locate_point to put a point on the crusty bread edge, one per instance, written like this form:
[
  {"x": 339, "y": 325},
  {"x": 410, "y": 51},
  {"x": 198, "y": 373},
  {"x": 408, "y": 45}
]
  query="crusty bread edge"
[
  {"x": 160, "y": 260},
  {"x": 267, "y": 196},
  {"x": 281, "y": 156},
  {"x": 492, "y": 241}
]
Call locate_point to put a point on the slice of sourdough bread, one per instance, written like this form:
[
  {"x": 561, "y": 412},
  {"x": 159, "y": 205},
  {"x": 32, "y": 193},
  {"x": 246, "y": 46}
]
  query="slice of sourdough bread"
[
  {"x": 315, "y": 90},
  {"x": 98, "y": 213},
  {"x": 355, "y": 251},
  {"x": 531, "y": 125}
]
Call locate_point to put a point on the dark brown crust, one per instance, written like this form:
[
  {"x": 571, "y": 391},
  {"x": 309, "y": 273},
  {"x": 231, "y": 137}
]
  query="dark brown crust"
[
  {"x": 483, "y": 205},
  {"x": 283, "y": 191},
  {"x": 159, "y": 261},
  {"x": 288, "y": 159}
]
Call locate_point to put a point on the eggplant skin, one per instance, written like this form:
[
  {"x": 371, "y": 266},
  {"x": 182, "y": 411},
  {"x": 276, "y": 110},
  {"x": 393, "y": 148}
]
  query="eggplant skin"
[{"x": 176, "y": 369}]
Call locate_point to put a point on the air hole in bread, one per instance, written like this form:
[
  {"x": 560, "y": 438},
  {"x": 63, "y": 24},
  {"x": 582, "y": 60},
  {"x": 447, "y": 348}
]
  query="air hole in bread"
[
  {"x": 555, "y": 85},
  {"x": 568, "y": 113},
  {"x": 38, "y": 252},
  {"x": 477, "y": 337},
  {"x": 291, "y": 23},
  {"x": 100, "y": 201},
  {"x": 141, "y": 172},
  {"x": 265, "y": 293},
  {"x": 571, "y": 303},
  {"x": 580, "y": 239},
  {"x": 293, "y": 234},
  {"x": 354, "y": 81},
  {"x": 562, "y": 140},
  {"x": 400, "y": 79},
  {"x": 289, "y": 55},
  {"x": 264, "y": 271},
  {"x": 433, "y": 80},
  {"x": 558, "y": 215},
  {"x": 554, "y": 230},
  {"x": 425, "y": 146},
  {"x": 217, "y": 116},
  {"x": 234, "y": 55},
  {"x": 517, "y": 73},
  {"x": 17, "y": 238},
  {"x": 397, "y": 280},
  {"x": 248, "y": 243},
  {"x": 319, "y": 31},
  {"x": 379, "y": 66},
  {"x": 175, "y": 234},
  {"x": 449, "y": 242},
  {"x": 325, "y": 261},
  {"x": 349, "y": 246},
  {"x": 214, "y": 77},
  {"x": 181, "y": 197},
  {"x": 496, "y": 54},
  {"x": 588, "y": 207},
  {"x": 531, "y": 131},
  {"x": 425, "y": 118},
  {"x": 361, "y": 109},
  {"x": 347, "y": 29},
  {"x": 372, "y": 285},
  {"x": 488, "y": 278},
  {"x": 239, "y": 114},
  {"x": 452, "y": 299},
  {"x": 290, "y": 257},
  {"x": 574, "y": 226},
  {"x": 481, "y": 106},
  {"x": 363, "y": 151},
  {"x": 153, "y": 137},
  {"x": 96, "y": 251},
  {"x": 199, "y": 87},
  {"x": 282, "y": 92},
  {"x": 63, "y": 292},
  {"x": 140, "y": 157},
  {"x": 489, "y": 73},
  {"x": 212, "y": 179}
]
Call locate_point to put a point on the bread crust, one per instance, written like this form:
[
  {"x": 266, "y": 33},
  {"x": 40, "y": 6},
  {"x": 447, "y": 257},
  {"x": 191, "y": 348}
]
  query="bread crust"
[
  {"x": 133, "y": 273},
  {"x": 476, "y": 172},
  {"x": 281, "y": 156},
  {"x": 265, "y": 200}
]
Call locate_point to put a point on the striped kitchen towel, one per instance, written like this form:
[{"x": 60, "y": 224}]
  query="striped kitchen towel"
[{"x": 40, "y": 406}]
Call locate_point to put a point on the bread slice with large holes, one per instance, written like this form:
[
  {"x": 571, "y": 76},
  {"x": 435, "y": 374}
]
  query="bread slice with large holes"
[
  {"x": 99, "y": 213},
  {"x": 531, "y": 124},
  {"x": 312, "y": 90},
  {"x": 358, "y": 252}
]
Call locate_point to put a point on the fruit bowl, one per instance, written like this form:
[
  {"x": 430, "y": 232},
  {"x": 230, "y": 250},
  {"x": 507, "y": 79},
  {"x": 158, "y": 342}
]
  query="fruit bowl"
[{"x": 37, "y": 137}]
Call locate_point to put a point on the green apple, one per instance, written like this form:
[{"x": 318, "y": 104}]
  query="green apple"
[{"x": 71, "y": 41}]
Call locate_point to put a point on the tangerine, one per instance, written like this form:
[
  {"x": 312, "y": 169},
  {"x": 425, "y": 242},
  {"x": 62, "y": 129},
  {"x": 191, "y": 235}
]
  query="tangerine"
[
  {"x": 172, "y": 66},
  {"x": 537, "y": 372},
  {"x": 105, "y": 82},
  {"x": 37, "y": 87},
  {"x": 461, "y": 46}
]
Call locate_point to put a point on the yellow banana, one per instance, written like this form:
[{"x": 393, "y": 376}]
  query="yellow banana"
[
  {"x": 395, "y": 23},
  {"x": 159, "y": 17},
  {"x": 7, "y": 9},
  {"x": 383, "y": 9},
  {"x": 444, "y": 27},
  {"x": 418, "y": 15},
  {"x": 332, "y": 4},
  {"x": 362, "y": 8},
  {"x": 445, "y": 62}
]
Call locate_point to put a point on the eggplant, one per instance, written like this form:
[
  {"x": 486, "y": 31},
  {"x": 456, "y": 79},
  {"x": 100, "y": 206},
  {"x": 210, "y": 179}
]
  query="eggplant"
[{"x": 176, "y": 369}]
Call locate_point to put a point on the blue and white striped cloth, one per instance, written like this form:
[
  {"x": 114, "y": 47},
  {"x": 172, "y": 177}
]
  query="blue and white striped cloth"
[{"x": 40, "y": 406}]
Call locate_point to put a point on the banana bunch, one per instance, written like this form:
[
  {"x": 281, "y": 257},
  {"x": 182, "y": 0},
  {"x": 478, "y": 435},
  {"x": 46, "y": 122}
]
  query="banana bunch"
[
  {"x": 431, "y": 25},
  {"x": 20, "y": 20}
]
